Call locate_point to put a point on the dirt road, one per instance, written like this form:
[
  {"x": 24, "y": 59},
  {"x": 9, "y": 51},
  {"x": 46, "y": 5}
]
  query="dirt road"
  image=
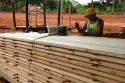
[{"x": 113, "y": 23}]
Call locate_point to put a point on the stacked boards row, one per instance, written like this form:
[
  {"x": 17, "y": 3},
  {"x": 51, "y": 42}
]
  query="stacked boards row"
[{"x": 38, "y": 58}]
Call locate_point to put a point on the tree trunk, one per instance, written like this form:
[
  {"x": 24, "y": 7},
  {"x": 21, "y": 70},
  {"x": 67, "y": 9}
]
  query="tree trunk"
[
  {"x": 92, "y": 3},
  {"x": 16, "y": 3},
  {"x": 59, "y": 9},
  {"x": 2, "y": 2},
  {"x": 36, "y": 15},
  {"x": 118, "y": 1},
  {"x": 27, "y": 16},
  {"x": 44, "y": 12},
  {"x": 113, "y": 6},
  {"x": 6, "y": 4},
  {"x": 14, "y": 17}
]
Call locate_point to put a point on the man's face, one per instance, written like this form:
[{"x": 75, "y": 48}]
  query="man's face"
[{"x": 91, "y": 17}]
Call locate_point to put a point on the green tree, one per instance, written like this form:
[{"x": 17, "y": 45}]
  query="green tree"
[
  {"x": 33, "y": 2},
  {"x": 67, "y": 3},
  {"x": 7, "y": 2},
  {"x": 64, "y": 4},
  {"x": 51, "y": 4},
  {"x": 2, "y": 1}
]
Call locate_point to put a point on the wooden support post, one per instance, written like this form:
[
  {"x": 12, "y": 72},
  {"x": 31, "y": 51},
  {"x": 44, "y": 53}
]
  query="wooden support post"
[
  {"x": 113, "y": 5},
  {"x": 36, "y": 15},
  {"x": 27, "y": 16},
  {"x": 61, "y": 15},
  {"x": 44, "y": 12},
  {"x": 92, "y": 4},
  {"x": 69, "y": 16},
  {"x": 14, "y": 17},
  {"x": 59, "y": 9}
]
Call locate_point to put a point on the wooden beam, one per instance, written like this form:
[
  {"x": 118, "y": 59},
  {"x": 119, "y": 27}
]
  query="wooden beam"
[
  {"x": 59, "y": 11},
  {"x": 27, "y": 16},
  {"x": 14, "y": 17},
  {"x": 44, "y": 12}
]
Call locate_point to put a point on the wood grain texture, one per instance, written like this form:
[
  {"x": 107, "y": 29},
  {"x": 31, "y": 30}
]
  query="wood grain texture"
[{"x": 27, "y": 58}]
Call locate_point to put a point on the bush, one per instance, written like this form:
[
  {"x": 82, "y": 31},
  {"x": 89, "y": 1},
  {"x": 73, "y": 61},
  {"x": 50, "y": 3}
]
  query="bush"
[
  {"x": 81, "y": 9},
  {"x": 73, "y": 10}
]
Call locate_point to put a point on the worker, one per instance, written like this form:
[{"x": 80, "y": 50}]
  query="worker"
[{"x": 93, "y": 26}]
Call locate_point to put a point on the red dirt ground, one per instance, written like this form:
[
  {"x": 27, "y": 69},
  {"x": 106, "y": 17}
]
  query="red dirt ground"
[{"x": 113, "y": 23}]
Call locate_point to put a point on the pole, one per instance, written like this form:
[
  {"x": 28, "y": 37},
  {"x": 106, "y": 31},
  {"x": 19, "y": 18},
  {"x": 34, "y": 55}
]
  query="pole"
[
  {"x": 36, "y": 15},
  {"x": 61, "y": 15},
  {"x": 92, "y": 3},
  {"x": 14, "y": 17},
  {"x": 44, "y": 12},
  {"x": 69, "y": 14},
  {"x": 113, "y": 6},
  {"x": 59, "y": 9},
  {"x": 27, "y": 16}
]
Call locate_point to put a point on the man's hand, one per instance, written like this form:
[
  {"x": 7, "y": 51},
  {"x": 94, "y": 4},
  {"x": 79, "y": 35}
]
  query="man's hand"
[
  {"x": 76, "y": 24},
  {"x": 78, "y": 27}
]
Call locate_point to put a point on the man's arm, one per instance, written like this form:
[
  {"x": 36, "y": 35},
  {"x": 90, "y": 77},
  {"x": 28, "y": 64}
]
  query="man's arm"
[
  {"x": 81, "y": 30},
  {"x": 100, "y": 27}
]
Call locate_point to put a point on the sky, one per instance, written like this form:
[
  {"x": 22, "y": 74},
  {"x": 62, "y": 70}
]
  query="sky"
[{"x": 85, "y": 1}]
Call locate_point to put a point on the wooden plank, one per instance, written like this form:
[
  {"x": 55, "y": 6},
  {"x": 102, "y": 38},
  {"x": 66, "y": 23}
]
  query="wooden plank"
[
  {"x": 34, "y": 35},
  {"x": 50, "y": 79},
  {"x": 67, "y": 67},
  {"x": 82, "y": 47},
  {"x": 64, "y": 72},
  {"x": 95, "y": 56},
  {"x": 99, "y": 82},
  {"x": 41, "y": 74},
  {"x": 34, "y": 69},
  {"x": 5, "y": 43},
  {"x": 15, "y": 51},
  {"x": 18, "y": 48},
  {"x": 22, "y": 36},
  {"x": 11, "y": 80},
  {"x": 86, "y": 54},
  {"x": 56, "y": 74},
  {"x": 82, "y": 58},
  {"x": 83, "y": 64},
  {"x": 8, "y": 73},
  {"x": 10, "y": 67},
  {"x": 67, "y": 50},
  {"x": 90, "y": 40},
  {"x": 17, "y": 42}
]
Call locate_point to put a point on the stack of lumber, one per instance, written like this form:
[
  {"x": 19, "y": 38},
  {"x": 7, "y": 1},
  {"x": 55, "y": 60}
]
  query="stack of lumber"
[{"x": 36, "y": 58}]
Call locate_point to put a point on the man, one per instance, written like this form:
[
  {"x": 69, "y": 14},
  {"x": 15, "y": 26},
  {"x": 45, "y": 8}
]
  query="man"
[{"x": 93, "y": 26}]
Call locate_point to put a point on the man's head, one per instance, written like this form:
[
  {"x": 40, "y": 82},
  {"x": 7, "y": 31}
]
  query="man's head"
[{"x": 90, "y": 13}]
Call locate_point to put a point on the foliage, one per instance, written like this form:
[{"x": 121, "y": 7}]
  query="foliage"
[
  {"x": 102, "y": 6},
  {"x": 81, "y": 8},
  {"x": 6, "y": 5},
  {"x": 108, "y": 6},
  {"x": 66, "y": 4},
  {"x": 51, "y": 4},
  {"x": 33, "y": 2}
]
